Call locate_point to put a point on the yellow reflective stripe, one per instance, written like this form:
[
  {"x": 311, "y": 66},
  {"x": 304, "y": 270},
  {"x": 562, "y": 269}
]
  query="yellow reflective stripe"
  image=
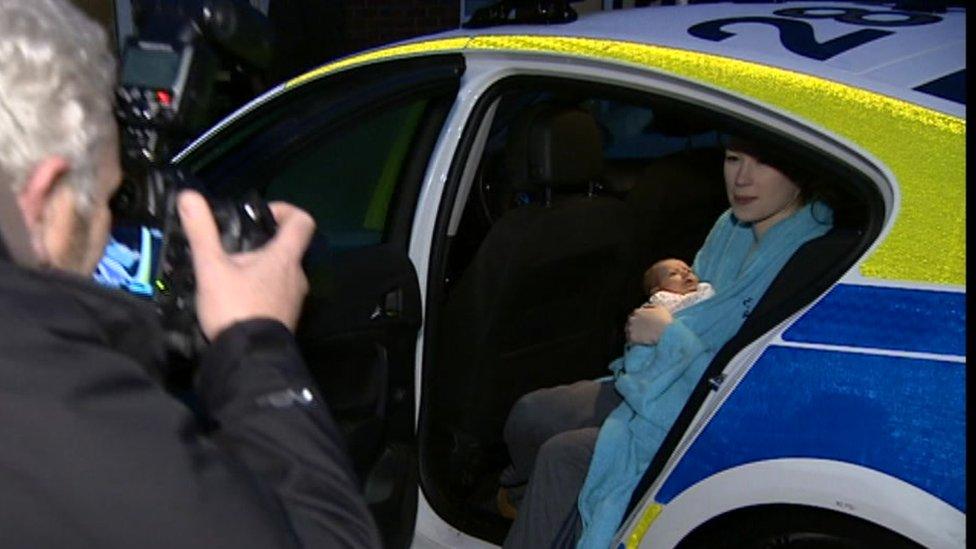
[
  {"x": 405, "y": 50},
  {"x": 649, "y": 516},
  {"x": 924, "y": 149}
]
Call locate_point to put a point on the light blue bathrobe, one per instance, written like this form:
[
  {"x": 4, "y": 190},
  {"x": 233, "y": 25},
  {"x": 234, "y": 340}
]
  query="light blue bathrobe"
[{"x": 656, "y": 380}]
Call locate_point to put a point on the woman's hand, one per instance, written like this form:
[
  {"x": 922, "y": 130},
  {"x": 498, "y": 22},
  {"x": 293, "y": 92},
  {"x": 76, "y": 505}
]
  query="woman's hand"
[{"x": 646, "y": 324}]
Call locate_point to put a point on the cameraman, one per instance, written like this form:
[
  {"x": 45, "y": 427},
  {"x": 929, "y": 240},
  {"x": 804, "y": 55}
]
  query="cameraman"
[{"x": 93, "y": 452}]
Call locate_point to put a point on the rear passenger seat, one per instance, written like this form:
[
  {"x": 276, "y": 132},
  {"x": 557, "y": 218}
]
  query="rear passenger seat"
[{"x": 676, "y": 200}]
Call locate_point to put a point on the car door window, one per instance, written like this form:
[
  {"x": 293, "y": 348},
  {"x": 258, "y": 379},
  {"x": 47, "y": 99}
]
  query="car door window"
[
  {"x": 343, "y": 148},
  {"x": 347, "y": 178},
  {"x": 640, "y": 132}
]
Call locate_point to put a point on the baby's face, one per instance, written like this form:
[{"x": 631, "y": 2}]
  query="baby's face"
[{"x": 675, "y": 276}]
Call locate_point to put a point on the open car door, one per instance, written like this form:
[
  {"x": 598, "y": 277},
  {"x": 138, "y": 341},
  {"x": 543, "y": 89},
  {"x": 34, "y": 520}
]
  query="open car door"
[{"x": 352, "y": 149}]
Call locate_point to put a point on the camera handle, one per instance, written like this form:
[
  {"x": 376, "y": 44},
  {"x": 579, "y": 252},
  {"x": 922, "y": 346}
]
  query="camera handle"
[{"x": 244, "y": 224}]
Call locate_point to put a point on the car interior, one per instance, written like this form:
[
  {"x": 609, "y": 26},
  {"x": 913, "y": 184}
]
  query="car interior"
[{"x": 577, "y": 190}]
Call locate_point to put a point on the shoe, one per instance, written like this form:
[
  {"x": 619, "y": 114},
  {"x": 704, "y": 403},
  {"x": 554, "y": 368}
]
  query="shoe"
[{"x": 505, "y": 507}]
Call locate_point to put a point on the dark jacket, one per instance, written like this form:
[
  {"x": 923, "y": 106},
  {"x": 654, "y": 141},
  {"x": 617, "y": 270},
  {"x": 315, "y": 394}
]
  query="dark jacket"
[{"x": 94, "y": 453}]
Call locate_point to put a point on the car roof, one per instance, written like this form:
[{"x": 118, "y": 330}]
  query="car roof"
[{"x": 897, "y": 59}]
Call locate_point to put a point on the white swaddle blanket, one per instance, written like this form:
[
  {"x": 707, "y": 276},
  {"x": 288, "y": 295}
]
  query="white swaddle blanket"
[{"x": 674, "y": 302}]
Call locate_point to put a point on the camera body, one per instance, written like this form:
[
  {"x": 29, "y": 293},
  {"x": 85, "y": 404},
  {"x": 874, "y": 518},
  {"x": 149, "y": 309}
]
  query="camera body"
[{"x": 165, "y": 89}]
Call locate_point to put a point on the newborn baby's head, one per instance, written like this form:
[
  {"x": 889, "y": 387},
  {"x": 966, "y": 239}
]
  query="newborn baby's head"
[{"x": 672, "y": 275}]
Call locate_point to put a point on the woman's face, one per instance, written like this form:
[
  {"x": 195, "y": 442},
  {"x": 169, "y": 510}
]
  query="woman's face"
[{"x": 758, "y": 193}]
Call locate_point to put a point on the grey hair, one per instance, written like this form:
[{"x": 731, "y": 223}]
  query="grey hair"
[{"x": 56, "y": 81}]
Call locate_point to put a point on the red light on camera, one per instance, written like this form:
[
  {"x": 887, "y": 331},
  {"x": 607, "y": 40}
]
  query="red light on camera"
[{"x": 164, "y": 97}]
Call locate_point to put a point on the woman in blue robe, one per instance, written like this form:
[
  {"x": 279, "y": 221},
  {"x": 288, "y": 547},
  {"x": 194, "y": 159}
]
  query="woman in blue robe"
[{"x": 584, "y": 447}]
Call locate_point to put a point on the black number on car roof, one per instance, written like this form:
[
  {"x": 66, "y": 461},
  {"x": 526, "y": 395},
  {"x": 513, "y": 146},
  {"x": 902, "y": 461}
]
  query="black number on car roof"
[
  {"x": 858, "y": 16},
  {"x": 796, "y": 36},
  {"x": 951, "y": 87}
]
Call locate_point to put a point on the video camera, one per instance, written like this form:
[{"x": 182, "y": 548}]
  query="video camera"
[{"x": 164, "y": 97}]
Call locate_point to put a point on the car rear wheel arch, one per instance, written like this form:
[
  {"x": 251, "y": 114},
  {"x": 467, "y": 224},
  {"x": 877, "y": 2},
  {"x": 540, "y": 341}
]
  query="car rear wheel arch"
[{"x": 792, "y": 526}]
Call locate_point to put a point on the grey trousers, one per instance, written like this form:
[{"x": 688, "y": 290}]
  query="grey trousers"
[{"x": 551, "y": 434}]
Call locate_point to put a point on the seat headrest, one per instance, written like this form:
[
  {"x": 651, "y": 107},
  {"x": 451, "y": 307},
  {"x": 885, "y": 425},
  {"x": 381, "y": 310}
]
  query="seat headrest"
[
  {"x": 554, "y": 146},
  {"x": 681, "y": 180}
]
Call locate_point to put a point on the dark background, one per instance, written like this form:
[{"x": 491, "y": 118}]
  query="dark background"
[{"x": 312, "y": 32}]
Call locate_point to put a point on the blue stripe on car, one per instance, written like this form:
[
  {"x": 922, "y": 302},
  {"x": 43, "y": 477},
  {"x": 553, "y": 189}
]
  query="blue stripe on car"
[
  {"x": 897, "y": 319},
  {"x": 904, "y": 417}
]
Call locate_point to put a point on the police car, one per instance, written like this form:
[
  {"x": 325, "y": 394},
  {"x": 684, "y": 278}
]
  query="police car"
[{"x": 488, "y": 198}]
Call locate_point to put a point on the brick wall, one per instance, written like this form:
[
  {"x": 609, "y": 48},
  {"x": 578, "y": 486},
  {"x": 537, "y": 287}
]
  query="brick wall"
[{"x": 370, "y": 23}]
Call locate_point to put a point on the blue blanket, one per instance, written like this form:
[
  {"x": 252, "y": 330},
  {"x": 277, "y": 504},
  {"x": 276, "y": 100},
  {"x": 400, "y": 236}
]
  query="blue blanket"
[{"x": 655, "y": 381}]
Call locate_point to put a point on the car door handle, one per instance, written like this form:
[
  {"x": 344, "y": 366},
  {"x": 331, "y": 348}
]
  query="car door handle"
[
  {"x": 390, "y": 305},
  {"x": 716, "y": 382}
]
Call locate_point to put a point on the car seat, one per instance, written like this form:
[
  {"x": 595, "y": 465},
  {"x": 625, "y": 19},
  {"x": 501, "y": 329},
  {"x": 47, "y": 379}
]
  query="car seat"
[
  {"x": 676, "y": 202},
  {"x": 541, "y": 303}
]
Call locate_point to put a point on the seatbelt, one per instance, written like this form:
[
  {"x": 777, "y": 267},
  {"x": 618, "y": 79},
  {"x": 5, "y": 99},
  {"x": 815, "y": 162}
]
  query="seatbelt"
[{"x": 15, "y": 240}]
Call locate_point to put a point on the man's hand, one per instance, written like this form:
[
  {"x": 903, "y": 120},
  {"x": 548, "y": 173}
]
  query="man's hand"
[
  {"x": 646, "y": 324},
  {"x": 263, "y": 283}
]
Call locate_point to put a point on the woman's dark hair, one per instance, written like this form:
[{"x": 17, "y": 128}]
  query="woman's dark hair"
[{"x": 811, "y": 187}]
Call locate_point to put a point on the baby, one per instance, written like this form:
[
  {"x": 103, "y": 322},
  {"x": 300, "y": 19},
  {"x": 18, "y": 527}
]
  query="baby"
[{"x": 672, "y": 284}]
